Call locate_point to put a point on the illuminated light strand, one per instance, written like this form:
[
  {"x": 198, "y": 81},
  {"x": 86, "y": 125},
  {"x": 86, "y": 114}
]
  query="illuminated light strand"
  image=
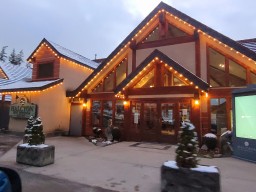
[
  {"x": 30, "y": 92},
  {"x": 228, "y": 47}
]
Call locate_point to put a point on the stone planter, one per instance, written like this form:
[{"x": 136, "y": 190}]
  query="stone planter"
[
  {"x": 201, "y": 179},
  {"x": 35, "y": 155}
]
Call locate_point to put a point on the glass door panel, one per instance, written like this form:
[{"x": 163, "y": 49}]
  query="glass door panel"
[
  {"x": 168, "y": 120},
  {"x": 150, "y": 117}
]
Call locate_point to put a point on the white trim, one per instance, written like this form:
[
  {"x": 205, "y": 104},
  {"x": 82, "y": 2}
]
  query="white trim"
[{"x": 160, "y": 96}]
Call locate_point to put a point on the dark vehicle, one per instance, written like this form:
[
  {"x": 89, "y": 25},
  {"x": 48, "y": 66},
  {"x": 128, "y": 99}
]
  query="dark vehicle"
[{"x": 9, "y": 180}]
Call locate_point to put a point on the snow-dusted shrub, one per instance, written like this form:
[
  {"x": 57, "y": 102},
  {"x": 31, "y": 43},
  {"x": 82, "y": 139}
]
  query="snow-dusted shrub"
[
  {"x": 34, "y": 131},
  {"x": 210, "y": 140},
  {"x": 186, "y": 152}
]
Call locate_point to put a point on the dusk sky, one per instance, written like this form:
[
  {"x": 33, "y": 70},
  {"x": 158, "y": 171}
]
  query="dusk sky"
[{"x": 90, "y": 27}]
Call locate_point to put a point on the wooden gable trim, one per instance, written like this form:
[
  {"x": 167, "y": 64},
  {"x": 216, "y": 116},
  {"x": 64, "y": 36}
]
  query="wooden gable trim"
[
  {"x": 162, "y": 7},
  {"x": 164, "y": 42},
  {"x": 157, "y": 54}
]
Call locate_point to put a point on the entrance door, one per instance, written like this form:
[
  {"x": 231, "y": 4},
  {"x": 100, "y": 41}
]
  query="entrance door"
[
  {"x": 159, "y": 121},
  {"x": 150, "y": 122},
  {"x": 76, "y": 120}
]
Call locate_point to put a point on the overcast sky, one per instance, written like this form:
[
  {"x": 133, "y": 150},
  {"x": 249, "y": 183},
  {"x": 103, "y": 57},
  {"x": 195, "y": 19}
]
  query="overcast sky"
[{"x": 91, "y": 27}]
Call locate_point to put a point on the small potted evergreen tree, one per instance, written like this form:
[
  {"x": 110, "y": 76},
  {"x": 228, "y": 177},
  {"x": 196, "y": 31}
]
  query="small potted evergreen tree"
[
  {"x": 185, "y": 174},
  {"x": 33, "y": 151}
]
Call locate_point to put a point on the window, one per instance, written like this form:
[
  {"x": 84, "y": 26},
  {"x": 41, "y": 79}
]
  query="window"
[
  {"x": 98, "y": 88},
  {"x": 218, "y": 114},
  {"x": 253, "y": 78},
  {"x": 107, "y": 112},
  {"x": 174, "y": 32},
  {"x": 45, "y": 70},
  {"x": 153, "y": 36},
  {"x": 96, "y": 113},
  {"x": 121, "y": 72},
  {"x": 147, "y": 81},
  {"x": 217, "y": 68},
  {"x": 237, "y": 74},
  {"x": 224, "y": 71},
  {"x": 109, "y": 82},
  {"x": 172, "y": 79},
  {"x": 119, "y": 114}
]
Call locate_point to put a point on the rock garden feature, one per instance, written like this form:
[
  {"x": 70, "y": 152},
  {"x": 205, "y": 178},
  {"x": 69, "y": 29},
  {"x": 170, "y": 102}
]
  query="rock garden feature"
[
  {"x": 33, "y": 151},
  {"x": 184, "y": 174}
]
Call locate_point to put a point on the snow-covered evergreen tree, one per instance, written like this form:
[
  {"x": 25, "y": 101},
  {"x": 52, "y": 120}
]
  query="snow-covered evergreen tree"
[
  {"x": 19, "y": 57},
  {"x": 3, "y": 54},
  {"x": 36, "y": 136},
  {"x": 186, "y": 152},
  {"x": 12, "y": 57}
]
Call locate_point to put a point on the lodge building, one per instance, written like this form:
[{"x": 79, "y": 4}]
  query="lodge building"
[{"x": 170, "y": 68}]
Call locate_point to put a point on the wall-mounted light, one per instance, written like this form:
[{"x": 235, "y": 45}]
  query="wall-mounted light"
[
  {"x": 84, "y": 105},
  {"x": 125, "y": 102},
  {"x": 196, "y": 101}
]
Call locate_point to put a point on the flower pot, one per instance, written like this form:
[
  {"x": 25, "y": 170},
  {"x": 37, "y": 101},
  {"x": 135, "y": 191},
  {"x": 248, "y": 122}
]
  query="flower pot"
[
  {"x": 200, "y": 179},
  {"x": 35, "y": 155}
]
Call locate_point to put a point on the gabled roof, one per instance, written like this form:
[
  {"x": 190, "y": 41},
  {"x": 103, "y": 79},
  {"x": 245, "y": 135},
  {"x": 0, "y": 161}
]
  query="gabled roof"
[
  {"x": 171, "y": 63},
  {"x": 68, "y": 54},
  {"x": 197, "y": 25},
  {"x": 249, "y": 43},
  {"x": 19, "y": 79}
]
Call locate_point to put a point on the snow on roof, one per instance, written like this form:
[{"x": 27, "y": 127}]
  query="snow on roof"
[
  {"x": 14, "y": 73},
  {"x": 19, "y": 78},
  {"x": 70, "y": 54}
]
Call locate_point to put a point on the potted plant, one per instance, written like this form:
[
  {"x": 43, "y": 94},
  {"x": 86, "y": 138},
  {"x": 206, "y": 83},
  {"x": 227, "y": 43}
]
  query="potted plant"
[
  {"x": 185, "y": 174},
  {"x": 33, "y": 151}
]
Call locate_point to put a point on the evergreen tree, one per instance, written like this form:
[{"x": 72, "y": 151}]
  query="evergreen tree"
[
  {"x": 36, "y": 136},
  {"x": 12, "y": 57},
  {"x": 19, "y": 57},
  {"x": 186, "y": 152},
  {"x": 3, "y": 54}
]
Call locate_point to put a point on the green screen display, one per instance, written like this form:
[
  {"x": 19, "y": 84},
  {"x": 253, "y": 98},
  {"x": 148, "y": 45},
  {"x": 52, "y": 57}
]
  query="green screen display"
[{"x": 245, "y": 116}]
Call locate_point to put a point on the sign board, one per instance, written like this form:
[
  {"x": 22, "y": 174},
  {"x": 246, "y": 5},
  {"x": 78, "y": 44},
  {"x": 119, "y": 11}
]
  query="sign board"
[
  {"x": 244, "y": 123},
  {"x": 22, "y": 109}
]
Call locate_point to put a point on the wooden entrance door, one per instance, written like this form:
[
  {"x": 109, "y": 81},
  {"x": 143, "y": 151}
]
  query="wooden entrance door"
[{"x": 159, "y": 121}]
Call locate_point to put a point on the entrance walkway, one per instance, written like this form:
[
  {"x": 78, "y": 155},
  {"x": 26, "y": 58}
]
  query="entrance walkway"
[{"x": 127, "y": 166}]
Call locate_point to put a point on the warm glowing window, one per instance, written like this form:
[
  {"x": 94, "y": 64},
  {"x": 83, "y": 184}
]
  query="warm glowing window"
[
  {"x": 147, "y": 81},
  {"x": 217, "y": 68},
  {"x": 121, "y": 72},
  {"x": 98, "y": 88},
  {"x": 171, "y": 79},
  {"x": 45, "y": 70}
]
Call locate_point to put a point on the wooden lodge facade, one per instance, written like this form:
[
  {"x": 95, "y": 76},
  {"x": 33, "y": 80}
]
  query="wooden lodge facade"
[{"x": 170, "y": 68}]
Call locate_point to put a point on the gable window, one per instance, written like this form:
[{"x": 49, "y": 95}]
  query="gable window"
[
  {"x": 172, "y": 79},
  {"x": 217, "y": 68},
  {"x": 45, "y": 70},
  {"x": 109, "y": 82},
  {"x": 147, "y": 81},
  {"x": 121, "y": 71},
  {"x": 237, "y": 74},
  {"x": 253, "y": 78},
  {"x": 224, "y": 71},
  {"x": 174, "y": 32}
]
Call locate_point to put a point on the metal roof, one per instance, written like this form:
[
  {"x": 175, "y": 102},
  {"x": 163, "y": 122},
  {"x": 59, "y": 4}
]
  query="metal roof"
[{"x": 249, "y": 43}]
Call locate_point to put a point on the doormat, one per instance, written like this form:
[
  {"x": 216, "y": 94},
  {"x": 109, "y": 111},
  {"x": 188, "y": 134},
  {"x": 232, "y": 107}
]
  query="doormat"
[{"x": 152, "y": 146}]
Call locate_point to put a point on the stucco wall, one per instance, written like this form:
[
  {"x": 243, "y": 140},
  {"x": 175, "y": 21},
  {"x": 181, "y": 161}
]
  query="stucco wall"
[
  {"x": 184, "y": 54},
  {"x": 53, "y": 108},
  {"x": 73, "y": 74}
]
